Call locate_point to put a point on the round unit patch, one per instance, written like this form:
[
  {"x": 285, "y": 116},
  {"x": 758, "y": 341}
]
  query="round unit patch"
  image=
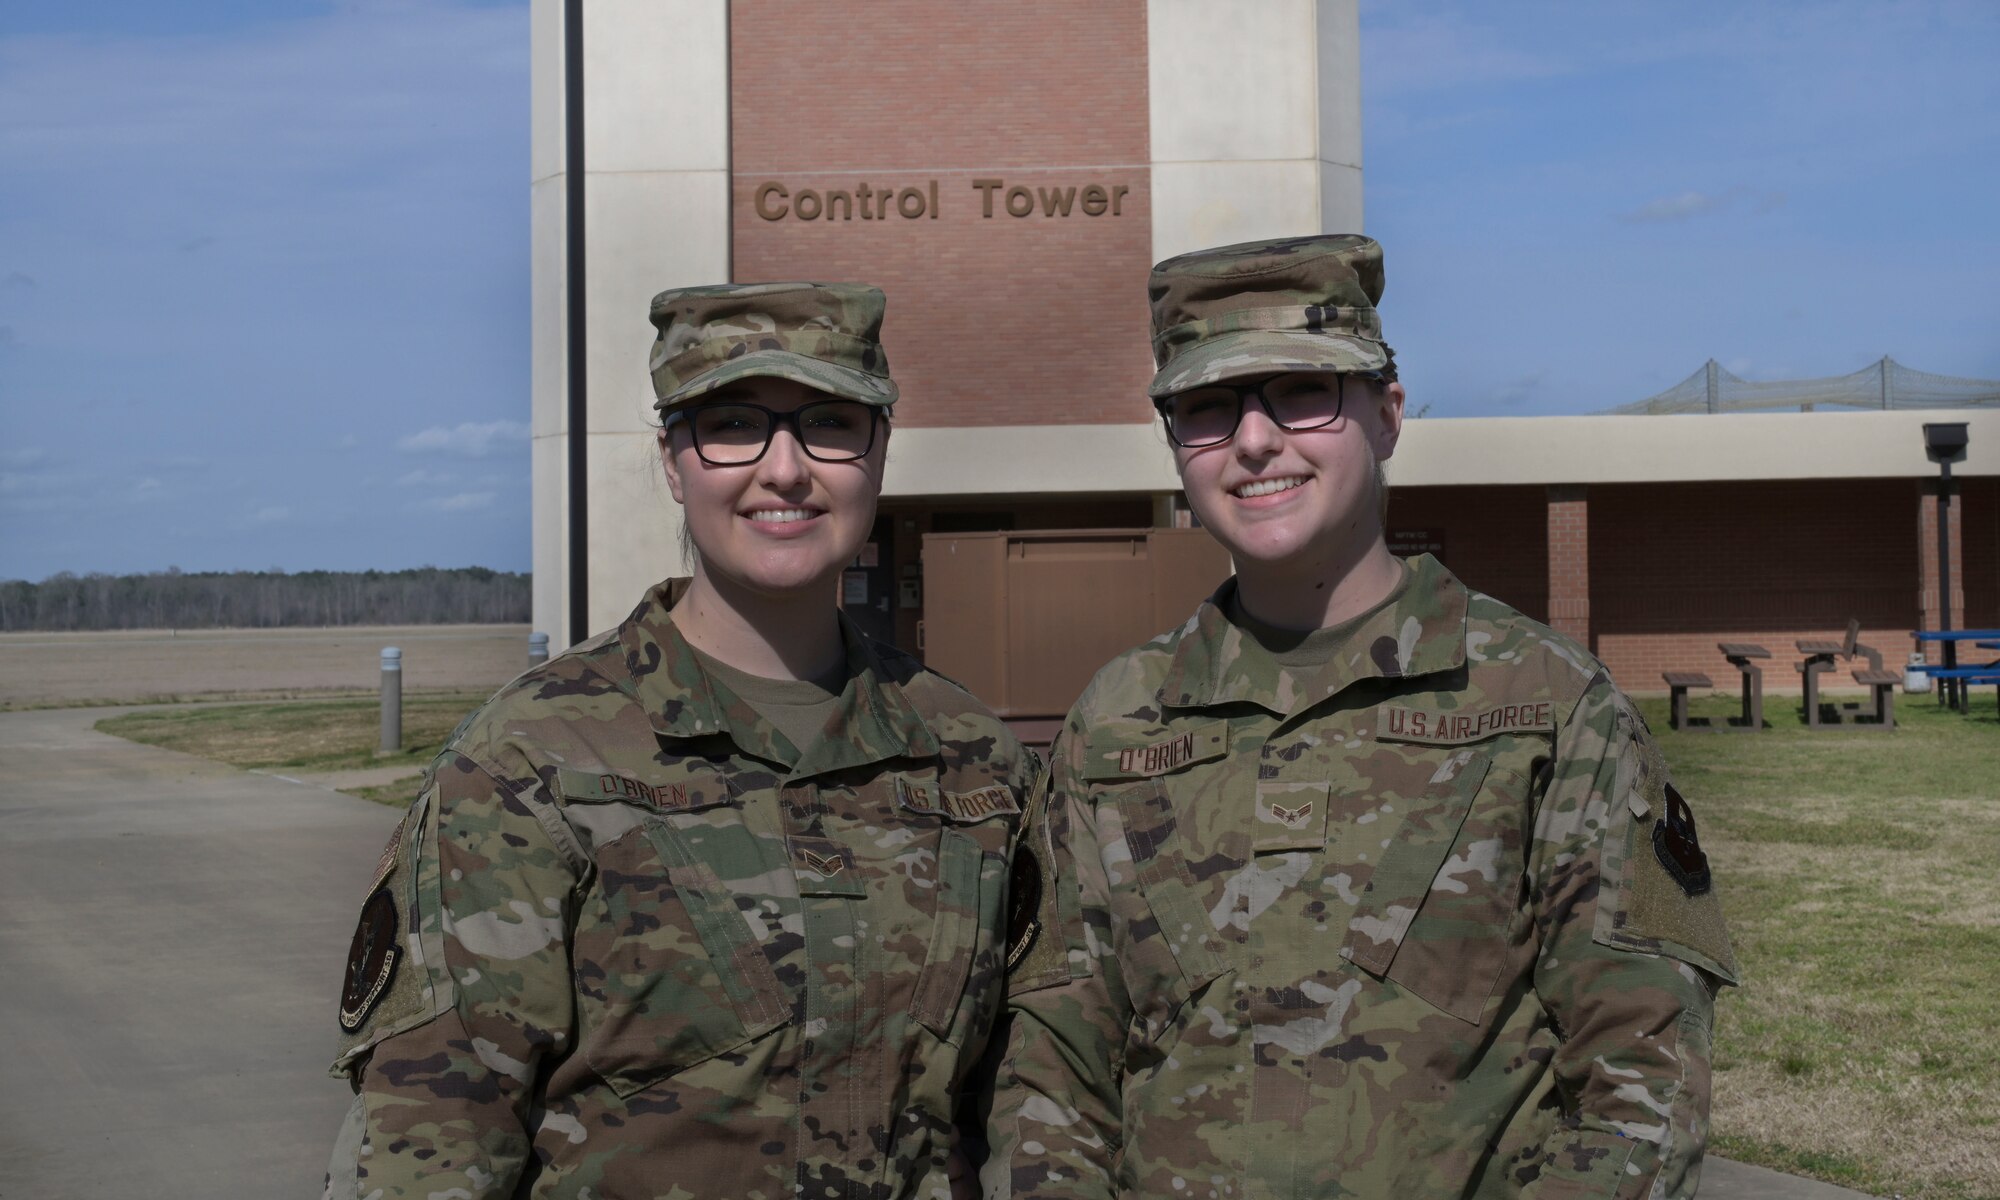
[
  {"x": 1677, "y": 846},
  {"x": 1024, "y": 905},
  {"x": 371, "y": 960}
]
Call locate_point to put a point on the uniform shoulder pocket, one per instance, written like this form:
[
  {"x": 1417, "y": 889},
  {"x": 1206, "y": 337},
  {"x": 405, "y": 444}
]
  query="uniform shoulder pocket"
[
  {"x": 1037, "y": 883},
  {"x": 393, "y": 980},
  {"x": 1657, "y": 892}
]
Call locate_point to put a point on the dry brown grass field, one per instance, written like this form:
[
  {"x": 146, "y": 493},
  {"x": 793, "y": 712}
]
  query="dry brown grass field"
[{"x": 40, "y": 670}]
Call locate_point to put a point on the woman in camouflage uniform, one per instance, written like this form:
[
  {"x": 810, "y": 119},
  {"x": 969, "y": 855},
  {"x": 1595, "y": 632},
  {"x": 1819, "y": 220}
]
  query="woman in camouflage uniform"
[
  {"x": 707, "y": 905},
  {"x": 1359, "y": 883}
]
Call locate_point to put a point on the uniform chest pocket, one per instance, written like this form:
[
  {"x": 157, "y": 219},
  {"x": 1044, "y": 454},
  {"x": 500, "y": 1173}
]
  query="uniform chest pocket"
[
  {"x": 673, "y": 959},
  {"x": 958, "y": 986},
  {"x": 1172, "y": 950},
  {"x": 1439, "y": 914}
]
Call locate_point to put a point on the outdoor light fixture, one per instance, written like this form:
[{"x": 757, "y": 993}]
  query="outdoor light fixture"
[{"x": 1944, "y": 444}]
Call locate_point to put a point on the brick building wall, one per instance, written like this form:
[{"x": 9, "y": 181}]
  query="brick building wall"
[
  {"x": 1494, "y": 538},
  {"x": 1978, "y": 502},
  {"x": 1675, "y": 568},
  {"x": 993, "y": 319}
]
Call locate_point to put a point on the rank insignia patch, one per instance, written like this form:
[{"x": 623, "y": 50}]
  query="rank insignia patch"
[
  {"x": 1679, "y": 849},
  {"x": 371, "y": 960},
  {"x": 1024, "y": 904},
  {"x": 1292, "y": 817},
  {"x": 825, "y": 867}
]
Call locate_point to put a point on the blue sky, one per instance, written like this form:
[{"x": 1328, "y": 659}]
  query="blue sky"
[{"x": 264, "y": 265}]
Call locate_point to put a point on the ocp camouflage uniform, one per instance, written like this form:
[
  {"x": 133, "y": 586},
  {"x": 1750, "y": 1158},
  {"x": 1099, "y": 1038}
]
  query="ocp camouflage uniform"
[
  {"x": 631, "y": 942},
  {"x": 1431, "y": 921}
]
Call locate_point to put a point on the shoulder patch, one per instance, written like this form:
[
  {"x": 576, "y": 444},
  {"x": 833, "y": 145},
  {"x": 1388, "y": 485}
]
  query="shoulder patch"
[
  {"x": 390, "y": 852},
  {"x": 1024, "y": 905},
  {"x": 1678, "y": 848},
  {"x": 1403, "y": 723},
  {"x": 388, "y": 983},
  {"x": 1112, "y": 756},
  {"x": 372, "y": 958},
  {"x": 1037, "y": 946}
]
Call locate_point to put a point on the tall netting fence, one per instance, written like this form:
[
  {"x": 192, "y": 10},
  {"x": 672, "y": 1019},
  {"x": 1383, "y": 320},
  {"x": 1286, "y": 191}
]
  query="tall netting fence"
[{"x": 1885, "y": 384}]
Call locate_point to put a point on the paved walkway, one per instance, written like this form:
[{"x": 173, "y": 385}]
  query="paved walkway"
[
  {"x": 169, "y": 964},
  {"x": 169, "y": 960}
]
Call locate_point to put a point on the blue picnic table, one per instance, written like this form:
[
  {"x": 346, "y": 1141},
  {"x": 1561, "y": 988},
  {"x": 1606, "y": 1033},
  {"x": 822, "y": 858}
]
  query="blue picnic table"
[{"x": 1956, "y": 680}]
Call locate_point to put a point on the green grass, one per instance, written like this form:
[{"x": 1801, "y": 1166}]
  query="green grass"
[
  {"x": 400, "y": 794},
  {"x": 1861, "y": 876},
  {"x": 306, "y": 735},
  {"x": 264, "y": 696}
]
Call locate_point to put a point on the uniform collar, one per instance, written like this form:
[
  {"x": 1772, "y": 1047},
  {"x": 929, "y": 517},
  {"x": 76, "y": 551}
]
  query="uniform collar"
[
  {"x": 1420, "y": 633},
  {"x": 681, "y": 700}
]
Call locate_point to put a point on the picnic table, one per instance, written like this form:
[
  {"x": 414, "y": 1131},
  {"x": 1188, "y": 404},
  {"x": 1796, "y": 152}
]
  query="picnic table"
[
  {"x": 1820, "y": 656},
  {"x": 1955, "y": 681},
  {"x": 1739, "y": 655}
]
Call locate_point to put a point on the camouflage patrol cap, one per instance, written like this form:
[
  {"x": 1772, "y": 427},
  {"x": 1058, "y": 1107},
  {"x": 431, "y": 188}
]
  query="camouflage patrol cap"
[
  {"x": 1258, "y": 308},
  {"x": 823, "y": 335}
]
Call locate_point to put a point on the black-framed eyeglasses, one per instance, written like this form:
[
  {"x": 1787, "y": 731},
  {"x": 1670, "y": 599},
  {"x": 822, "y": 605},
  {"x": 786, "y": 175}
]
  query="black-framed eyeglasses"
[
  {"x": 1295, "y": 402},
  {"x": 736, "y": 433}
]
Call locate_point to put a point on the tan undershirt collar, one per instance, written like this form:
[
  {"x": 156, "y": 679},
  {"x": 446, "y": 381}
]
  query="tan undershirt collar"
[{"x": 1304, "y": 652}]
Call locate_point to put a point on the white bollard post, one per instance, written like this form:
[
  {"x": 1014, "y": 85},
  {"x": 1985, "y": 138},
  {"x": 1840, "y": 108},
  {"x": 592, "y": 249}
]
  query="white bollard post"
[
  {"x": 538, "y": 648},
  {"x": 392, "y": 701}
]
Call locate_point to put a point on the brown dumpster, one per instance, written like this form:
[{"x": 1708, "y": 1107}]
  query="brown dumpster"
[{"x": 1024, "y": 618}]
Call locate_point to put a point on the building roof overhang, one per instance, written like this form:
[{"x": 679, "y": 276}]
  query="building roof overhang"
[{"x": 1014, "y": 459}]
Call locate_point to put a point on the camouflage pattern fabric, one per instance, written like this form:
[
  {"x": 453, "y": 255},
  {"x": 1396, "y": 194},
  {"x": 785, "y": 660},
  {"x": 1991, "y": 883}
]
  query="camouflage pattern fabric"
[
  {"x": 824, "y": 335},
  {"x": 1256, "y": 308},
  {"x": 1396, "y": 928},
  {"x": 638, "y": 944}
]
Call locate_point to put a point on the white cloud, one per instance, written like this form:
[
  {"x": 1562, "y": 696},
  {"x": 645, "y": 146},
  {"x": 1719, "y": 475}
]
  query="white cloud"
[
  {"x": 425, "y": 477},
  {"x": 1691, "y": 204},
  {"x": 27, "y": 457},
  {"x": 464, "y": 502},
  {"x": 270, "y": 514},
  {"x": 468, "y": 439}
]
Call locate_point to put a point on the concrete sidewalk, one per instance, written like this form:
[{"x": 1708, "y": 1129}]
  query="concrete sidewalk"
[
  {"x": 169, "y": 967},
  {"x": 169, "y": 962}
]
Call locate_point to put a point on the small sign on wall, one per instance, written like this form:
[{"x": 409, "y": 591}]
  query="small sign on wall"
[
  {"x": 1408, "y": 543},
  {"x": 853, "y": 588}
]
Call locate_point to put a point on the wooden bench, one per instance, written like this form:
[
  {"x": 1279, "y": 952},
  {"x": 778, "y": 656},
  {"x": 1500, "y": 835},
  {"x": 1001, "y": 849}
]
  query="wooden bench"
[
  {"x": 1819, "y": 660},
  {"x": 1678, "y": 683},
  {"x": 1884, "y": 684},
  {"x": 1739, "y": 655}
]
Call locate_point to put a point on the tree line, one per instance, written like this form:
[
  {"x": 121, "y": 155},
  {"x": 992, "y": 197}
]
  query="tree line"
[{"x": 174, "y": 599}]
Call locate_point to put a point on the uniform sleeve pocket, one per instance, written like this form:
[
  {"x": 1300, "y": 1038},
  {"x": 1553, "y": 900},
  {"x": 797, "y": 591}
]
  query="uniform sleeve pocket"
[
  {"x": 1436, "y": 914},
  {"x": 670, "y": 969}
]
